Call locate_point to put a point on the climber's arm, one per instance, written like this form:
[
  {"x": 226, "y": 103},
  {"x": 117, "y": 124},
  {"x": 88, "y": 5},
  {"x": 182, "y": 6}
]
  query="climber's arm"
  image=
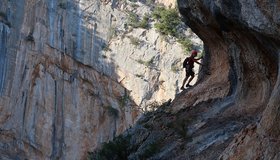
[{"x": 198, "y": 63}]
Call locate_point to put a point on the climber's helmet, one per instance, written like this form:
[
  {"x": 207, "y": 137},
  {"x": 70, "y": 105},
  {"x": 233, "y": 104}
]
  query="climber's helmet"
[{"x": 194, "y": 53}]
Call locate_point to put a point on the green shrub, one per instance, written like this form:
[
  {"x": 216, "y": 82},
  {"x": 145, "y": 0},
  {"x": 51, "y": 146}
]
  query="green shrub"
[
  {"x": 144, "y": 23},
  {"x": 116, "y": 149},
  {"x": 124, "y": 99},
  {"x": 167, "y": 23},
  {"x": 135, "y": 22},
  {"x": 140, "y": 61},
  {"x": 133, "y": 5},
  {"x": 135, "y": 41},
  {"x": 150, "y": 2},
  {"x": 186, "y": 44},
  {"x": 132, "y": 19},
  {"x": 154, "y": 106},
  {"x": 151, "y": 149},
  {"x": 181, "y": 129},
  {"x": 139, "y": 76},
  {"x": 149, "y": 62},
  {"x": 180, "y": 126},
  {"x": 146, "y": 63},
  {"x": 112, "y": 32},
  {"x": 175, "y": 68},
  {"x": 167, "y": 20},
  {"x": 106, "y": 47},
  {"x": 157, "y": 12}
]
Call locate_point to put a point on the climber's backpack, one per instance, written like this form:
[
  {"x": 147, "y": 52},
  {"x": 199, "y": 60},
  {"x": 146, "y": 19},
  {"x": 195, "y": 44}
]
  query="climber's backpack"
[{"x": 186, "y": 63}]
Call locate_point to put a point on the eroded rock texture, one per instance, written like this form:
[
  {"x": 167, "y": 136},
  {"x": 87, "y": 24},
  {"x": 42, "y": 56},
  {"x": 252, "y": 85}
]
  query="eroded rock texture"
[
  {"x": 233, "y": 112},
  {"x": 61, "y": 66},
  {"x": 242, "y": 38},
  {"x": 53, "y": 103}
]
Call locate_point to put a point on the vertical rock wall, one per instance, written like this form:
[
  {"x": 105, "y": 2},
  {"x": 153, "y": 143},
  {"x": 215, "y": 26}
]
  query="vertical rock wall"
[{"x": 54, "y": 104}]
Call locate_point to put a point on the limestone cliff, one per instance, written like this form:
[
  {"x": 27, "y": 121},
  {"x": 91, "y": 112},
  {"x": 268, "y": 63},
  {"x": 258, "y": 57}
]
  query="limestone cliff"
[
  {"x": 233, "y": 112},
  {"x": 147, "y": 63},
  {"x": 54, "y": 104},
  {"x": 69, "y": 76}
]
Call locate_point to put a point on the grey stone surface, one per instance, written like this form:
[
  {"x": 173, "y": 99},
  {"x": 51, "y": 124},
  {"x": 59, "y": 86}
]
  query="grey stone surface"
[{"x": 232, "y": 112}]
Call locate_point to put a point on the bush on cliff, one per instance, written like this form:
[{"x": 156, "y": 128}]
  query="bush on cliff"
[
  {"x": 116, "y": 149},
  {"x": 167, "y": 20}
]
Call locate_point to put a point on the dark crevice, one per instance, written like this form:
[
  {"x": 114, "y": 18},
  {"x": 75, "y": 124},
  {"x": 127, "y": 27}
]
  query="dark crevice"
[
  {"x": 24, "y": 98},
  {"x": 54, "y": 133},
  {"x": 3, "y": 57}
]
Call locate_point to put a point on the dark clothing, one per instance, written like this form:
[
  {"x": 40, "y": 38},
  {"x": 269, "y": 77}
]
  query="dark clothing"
[
  {"x": 189, "y": 72},
  {"x": 189, "y": 64},
  {"x": 191, "y": 61}
]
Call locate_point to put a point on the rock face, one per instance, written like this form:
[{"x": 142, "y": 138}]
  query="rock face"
[
  {"x": 54, "y": 104},
  {"x": 244, "y": 36},
  {"x": 68, "y": 72},
  {"x": 148, "y": 64},
  {"x": 233, "y": 112}
]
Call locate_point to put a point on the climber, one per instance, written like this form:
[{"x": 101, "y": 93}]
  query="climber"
[{"x": 188, "y": 64}]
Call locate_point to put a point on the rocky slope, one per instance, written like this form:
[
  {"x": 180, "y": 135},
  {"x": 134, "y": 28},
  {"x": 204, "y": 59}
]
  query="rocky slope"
[
  {"x": 68, "y": 72},
  {"x": 233, "y": 113}
]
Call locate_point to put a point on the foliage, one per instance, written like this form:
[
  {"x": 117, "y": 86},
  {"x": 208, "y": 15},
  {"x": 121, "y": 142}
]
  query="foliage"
[
  {"x": 135, "y": 41},
  {"x": 149, "y": 2},
  {"x": 144, "y": 23},
  {"x": 154, "y": 106},
  {"x": 119, "y": 149},
  {"x": 146, "y": 63},
  {"x": 135, "y": 22},
  {"x": 116, "y": 149},
  {"x": 175, "y": 68},
  {"x": 140, "y": 61},
  {"x": 167, "y": 20},
  {"x": 186, "y": 44},
  {"x": 151, "y": 150},
  {"x": 149, "y": 62},
  {"x": 112, "y": 32},
  {"x": 106, "y": 47},
  {"x": 133, "y": 5},
  {"x": 123, "y": 99},
  {"x": 132, "y": 18},
  {"x": 180, "y": 127},
  {"x": 139, "y": 76}
]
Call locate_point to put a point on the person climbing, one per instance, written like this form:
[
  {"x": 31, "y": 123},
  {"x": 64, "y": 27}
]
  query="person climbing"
[{"x": 188, "y": 64}]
